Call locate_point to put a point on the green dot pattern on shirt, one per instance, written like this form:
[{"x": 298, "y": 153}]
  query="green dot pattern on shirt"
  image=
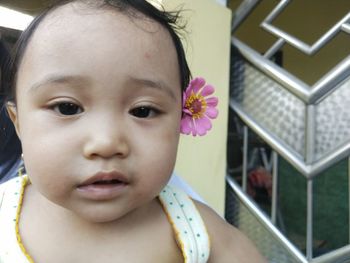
[{"x": 182, "y": 214}]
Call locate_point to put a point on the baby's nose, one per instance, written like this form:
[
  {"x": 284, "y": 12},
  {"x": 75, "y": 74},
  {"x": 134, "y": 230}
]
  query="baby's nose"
[{"x": 106, "y": 140}]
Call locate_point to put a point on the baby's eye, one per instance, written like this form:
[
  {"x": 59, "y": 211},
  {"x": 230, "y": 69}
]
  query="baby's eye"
[
  {"x": 67, "y": 108},
  {"x": 144, "y": 112}
]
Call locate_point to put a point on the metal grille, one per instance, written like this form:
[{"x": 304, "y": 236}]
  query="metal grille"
[
  {"x": 308, "y": 125},
  {"x": 238, "y": 214}
]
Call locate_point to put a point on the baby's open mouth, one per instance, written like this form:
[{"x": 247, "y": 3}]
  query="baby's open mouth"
[
  {"x": 104, "y": 186},
  {"x": 106, "y": 182},
  {"x": 105, "y": 179}
]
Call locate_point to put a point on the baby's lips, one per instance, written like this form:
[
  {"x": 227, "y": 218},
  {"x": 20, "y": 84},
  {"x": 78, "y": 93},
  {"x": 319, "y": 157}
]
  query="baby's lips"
[{"x": 105, "y": 176}]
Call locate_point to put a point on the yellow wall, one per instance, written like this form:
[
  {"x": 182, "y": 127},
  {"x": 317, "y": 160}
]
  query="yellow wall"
[{"x": 202, "y": 160}]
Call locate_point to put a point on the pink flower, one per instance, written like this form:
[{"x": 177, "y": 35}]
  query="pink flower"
[{"x": 197, "y": 110}]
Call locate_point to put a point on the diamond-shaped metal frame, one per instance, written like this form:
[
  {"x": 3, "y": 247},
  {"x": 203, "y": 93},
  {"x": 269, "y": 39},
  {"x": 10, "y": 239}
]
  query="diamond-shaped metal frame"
[{"x": 310, "y": 164}]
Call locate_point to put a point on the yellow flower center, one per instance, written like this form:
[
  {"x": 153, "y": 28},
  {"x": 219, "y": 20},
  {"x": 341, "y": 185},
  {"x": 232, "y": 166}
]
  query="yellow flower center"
[{"x": 196, "y": 104}]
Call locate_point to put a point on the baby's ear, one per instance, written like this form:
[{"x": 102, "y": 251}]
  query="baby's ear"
[{"x": 12, "y": 112}]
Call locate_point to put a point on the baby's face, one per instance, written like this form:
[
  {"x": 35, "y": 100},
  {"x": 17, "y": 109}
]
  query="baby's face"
[{"x": 98, "y": 111}]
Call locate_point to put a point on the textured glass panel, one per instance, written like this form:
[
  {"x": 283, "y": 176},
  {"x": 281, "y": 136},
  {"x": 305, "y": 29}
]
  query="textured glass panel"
[
  {"x": 270, "y": 105},
  {"x": 333, "y": 121}
]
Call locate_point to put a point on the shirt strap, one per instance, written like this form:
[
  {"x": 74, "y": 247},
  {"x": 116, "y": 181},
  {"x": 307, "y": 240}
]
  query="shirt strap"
[
  {"x": 11, "y": 248},
  {"x": 189, "y": 228}
]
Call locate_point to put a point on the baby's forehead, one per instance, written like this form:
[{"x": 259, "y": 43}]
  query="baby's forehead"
[
  {"x": 69, "y": 25},
  {"x": 98, "y": 17},
  {"x": 81, "y": 40}
]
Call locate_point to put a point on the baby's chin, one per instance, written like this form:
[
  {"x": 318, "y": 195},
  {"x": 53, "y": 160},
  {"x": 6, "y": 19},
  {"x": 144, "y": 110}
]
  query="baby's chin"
[
  {"x": 100, "y": 217},
  {"x": 109, "y": 213}
]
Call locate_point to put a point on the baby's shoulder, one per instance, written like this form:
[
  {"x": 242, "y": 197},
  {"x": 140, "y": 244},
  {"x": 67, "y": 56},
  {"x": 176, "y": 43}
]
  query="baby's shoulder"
[{"x": 228, "y": 244}]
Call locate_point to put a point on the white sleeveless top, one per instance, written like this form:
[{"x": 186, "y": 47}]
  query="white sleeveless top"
[{"x": 189, "y": 229}]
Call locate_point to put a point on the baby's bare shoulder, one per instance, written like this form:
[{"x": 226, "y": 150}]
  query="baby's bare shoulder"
[{"x": 228, "y": 244}]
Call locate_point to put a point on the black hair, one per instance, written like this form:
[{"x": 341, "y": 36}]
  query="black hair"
[{"x": 170, "y": 20}]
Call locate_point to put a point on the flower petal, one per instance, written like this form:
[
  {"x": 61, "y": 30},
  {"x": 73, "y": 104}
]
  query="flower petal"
[
  {"x": 205, "y": 122},
  {"x": 212, "y": 112},
  {"x": 194, "y": 129},
  {"x": 207, "y": 90},
  {"x": 183, "y": 99},
  {"x": 202, "y": 125},
  {"x": 187, "y": 112},
  {"x": 187, "y": 92},
  {"x": 197, "y": 84},
  {"x": 212, "y": 101},
  {"x": 186, "y": 125}
]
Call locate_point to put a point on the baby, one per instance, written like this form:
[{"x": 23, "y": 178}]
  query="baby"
[{"x": 95, "y": 95}]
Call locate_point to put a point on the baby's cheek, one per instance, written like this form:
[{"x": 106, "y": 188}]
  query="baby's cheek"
[
  {"x": 45, "y": 169},
  {"x": 162, "y": 168}
]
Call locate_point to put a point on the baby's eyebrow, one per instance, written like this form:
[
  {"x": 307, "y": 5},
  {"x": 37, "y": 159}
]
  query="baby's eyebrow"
[
  {"x": 159, "y": 85},
  {"x": 57, "y": 79},
  {"x": 83, "y": 81}
]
